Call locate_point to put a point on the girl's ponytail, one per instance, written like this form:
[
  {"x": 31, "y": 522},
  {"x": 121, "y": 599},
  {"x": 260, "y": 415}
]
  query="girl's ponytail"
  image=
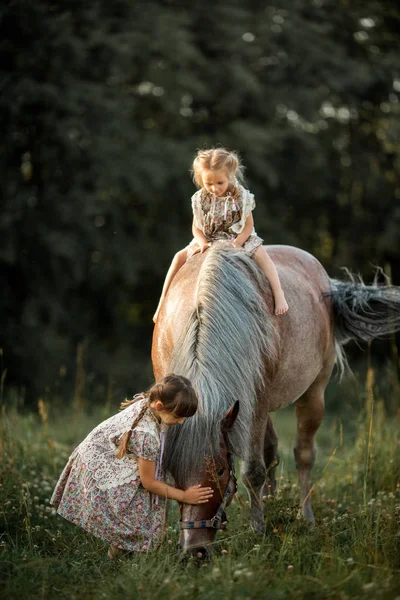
[
  {"x": 123, "y": 446},
  {"x": 177, "y": 396}
]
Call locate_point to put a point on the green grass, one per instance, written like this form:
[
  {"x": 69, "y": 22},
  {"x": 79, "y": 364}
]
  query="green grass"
[{"x": 353, "y": 551}]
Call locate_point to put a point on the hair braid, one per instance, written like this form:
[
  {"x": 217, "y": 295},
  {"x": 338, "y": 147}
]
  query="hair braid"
[
  {"x": 177, "y": 396},
  {"x": 123, "y": 446}
]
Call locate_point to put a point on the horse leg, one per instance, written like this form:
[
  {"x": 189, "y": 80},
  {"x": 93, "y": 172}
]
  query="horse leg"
[
  {"x": 254, "y": 479},
  {"x": 255, "y": 473},
  {"x": 177, "y": 262},
  {"x": 271, "y": 457},
  {"x": 309, "y": 413}
]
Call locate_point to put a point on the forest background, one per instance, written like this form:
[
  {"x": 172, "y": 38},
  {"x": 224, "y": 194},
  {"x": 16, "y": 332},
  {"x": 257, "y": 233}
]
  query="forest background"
[{"x": 102, "y": 107}]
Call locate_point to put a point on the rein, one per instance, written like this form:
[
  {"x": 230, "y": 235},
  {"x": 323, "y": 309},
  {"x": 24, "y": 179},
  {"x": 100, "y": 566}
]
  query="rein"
[{"x": 219, "y": 520}]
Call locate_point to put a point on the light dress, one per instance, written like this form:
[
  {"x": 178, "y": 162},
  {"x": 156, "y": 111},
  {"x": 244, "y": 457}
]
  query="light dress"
[
  {"x": 104, "y": 494},
  {"x": 224, "y": 218}
]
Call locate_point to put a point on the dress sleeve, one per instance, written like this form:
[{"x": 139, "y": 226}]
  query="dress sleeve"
[
  {"x": 252, "y": 201},
  {"x": 248, "y": 203},
  {"x": 248, "y": 200},
  {"x": 197, "y": 210},
  {"x": 143, "y": 445}
]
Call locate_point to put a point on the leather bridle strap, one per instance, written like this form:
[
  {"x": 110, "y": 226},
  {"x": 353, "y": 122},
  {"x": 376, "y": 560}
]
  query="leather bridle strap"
[{"x": 216, "y": 522}]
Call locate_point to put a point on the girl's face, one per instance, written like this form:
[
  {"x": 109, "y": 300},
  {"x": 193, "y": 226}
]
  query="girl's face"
[
  {"x": 170, "y": 419},
  {"x": 166, "y": 417},
  {"x": 215, "y": 182}
]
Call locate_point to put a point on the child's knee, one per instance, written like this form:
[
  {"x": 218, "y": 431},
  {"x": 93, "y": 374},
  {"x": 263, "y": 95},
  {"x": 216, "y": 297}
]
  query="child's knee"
[
  {"x": 259, "y": 254},
  {"x": 180, "y": 257},
  {"x": 262, "y": 254}
]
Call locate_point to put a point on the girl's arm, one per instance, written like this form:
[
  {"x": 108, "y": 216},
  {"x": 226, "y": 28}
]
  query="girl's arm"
[
  {"x": 193, "y": 495},
  {"x": 199, "y": 237},
  {"x": 247, "y": 231}
]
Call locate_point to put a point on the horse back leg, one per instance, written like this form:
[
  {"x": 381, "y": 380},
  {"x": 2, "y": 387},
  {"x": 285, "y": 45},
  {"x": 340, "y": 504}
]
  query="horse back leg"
[
  {"x": 260, "y": 466},
  {"x": 309, "y": 413}
]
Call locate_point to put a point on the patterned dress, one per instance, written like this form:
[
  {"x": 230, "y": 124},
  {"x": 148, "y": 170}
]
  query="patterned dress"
[
  {"x": 104, "y": 494},
  {"x": 223, "y": 218}
]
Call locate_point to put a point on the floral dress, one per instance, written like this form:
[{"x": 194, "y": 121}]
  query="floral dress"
[
  {"x": 104, "y": 494},
  {"x": 224, "y": 218}
]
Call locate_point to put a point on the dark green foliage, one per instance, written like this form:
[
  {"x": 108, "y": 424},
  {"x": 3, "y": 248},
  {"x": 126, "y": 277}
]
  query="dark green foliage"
[{"x": 102, "y": 106}]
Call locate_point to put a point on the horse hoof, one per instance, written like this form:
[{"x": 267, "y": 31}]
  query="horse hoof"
[
  {"x": 258, "y": 525},
  {"x": 308, "y": 516}
]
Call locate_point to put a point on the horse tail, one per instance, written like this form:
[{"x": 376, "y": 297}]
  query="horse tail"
[{"x": 364, "y": 312}]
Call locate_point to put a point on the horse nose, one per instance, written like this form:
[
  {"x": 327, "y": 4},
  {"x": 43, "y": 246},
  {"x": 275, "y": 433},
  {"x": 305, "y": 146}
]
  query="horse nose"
[
  {"x": 202, "y": 553},
  {"x": 199, "y": 552}
]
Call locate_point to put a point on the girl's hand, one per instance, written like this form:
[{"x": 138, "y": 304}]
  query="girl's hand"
[
  {"x": 236, "y": 244},
  {"x": 203, "y": 247},
  {"x": 197, "y": 494}
]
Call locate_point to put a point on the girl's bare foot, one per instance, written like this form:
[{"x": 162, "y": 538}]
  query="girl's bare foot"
[
  {"x": 155, "y": 316},
  {"x": 281, "y": 306},
  {"x": 114, "y": 552}
]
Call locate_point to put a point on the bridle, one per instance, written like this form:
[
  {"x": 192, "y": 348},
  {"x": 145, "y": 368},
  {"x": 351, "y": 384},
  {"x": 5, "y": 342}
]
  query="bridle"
[{"x": 219, "y": 520}]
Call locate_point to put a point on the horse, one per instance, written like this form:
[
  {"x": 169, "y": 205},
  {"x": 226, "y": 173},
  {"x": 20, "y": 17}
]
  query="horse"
[{"x": 217, "y": 327}]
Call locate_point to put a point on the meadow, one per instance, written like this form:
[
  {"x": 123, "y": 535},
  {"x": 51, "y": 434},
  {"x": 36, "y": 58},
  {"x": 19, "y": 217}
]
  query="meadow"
[{"x": 353, "y": 551}]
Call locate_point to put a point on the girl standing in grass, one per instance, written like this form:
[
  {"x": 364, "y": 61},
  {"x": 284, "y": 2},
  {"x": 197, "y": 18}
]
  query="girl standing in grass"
[
  {"x": 222, "y": 210},
  {"x": 114, "y": 483}
]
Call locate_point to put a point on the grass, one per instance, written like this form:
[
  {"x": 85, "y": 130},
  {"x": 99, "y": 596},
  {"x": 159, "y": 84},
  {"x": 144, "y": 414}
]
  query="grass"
[{"x": 352, "y": 552}]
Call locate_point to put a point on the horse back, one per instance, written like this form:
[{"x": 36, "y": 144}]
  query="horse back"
[{"x": 304, "y": 335}]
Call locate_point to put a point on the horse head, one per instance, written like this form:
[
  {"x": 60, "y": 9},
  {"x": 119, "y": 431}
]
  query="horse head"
[
  {"x": 214, "y": 328},
  {"x": 200, "y": 523}
]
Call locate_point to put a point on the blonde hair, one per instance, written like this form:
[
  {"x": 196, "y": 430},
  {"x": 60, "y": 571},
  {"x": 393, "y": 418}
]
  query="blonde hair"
[
  {"x": 177, "y": 396},
  {"x": 215, "y": 159}
]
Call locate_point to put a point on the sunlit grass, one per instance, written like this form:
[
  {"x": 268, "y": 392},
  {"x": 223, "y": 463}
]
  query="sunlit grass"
[{"x": 352, "y": 551}]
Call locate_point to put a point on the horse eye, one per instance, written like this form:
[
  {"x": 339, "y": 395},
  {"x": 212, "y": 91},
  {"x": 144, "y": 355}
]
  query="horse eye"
[{"x": 221, "y": 471}]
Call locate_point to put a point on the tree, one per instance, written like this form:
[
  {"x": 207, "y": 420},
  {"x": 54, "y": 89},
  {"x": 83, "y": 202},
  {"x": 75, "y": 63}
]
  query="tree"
[{"x": 102, "y": 109}]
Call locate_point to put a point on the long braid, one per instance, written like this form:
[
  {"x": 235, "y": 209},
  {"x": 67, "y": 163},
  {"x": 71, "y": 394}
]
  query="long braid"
[{"x": 123, "y": 446}]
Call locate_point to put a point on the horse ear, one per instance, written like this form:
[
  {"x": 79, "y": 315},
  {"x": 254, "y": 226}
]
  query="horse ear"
[{"x": 230, "y": 417}]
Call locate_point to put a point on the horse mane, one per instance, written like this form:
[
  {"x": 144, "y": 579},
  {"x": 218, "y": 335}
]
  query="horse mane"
[{"x": 223, "y": 349}]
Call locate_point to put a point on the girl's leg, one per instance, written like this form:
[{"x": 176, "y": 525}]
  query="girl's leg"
[
  {"x": 177, "y": 262},
  {"x": 115, "y": 552},
  {"x": 264, "y": 261}
]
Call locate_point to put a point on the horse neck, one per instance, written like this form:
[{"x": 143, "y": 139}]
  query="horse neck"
[{"x": 224, "y": 348}]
